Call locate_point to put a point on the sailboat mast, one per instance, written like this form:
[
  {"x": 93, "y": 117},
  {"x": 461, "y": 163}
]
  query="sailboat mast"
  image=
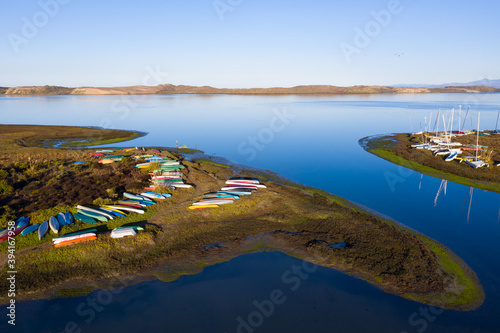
[
  {"x": 477, "y": 136},
  {"x": 465, "y": 118},
  {"x": 496, "y": 126}
]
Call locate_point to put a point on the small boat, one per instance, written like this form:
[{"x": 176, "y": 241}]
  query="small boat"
[
  {"x": 203, "y": 206},
  {"x": 130, "y": 209},
  {"x": 246, "y": 179},
  {"x": 219, "y": 195},
  {"x": 68, "y": 217},
  {"x": 84, "y": 218},
  {"x": 113, "y": 212},
  {"x": 95, "y": 211},
  {"x": 238, "y": 193},
  {"x": 75, "y": 241},
  {"x": 213, "y": 202},
  {"x": 156, "y": 151},
  {"x": 477, "y": 163},
  {"x": 97, "y": 154},
  {"x": 238, "y": 188},
  {"x": 54, "y": 224},
  {"x": 42, "y": 230},
  {"x": 123, "y": 232},
  {"x": 451, "y": 157},
  {"x": 106, "y": 161},
  {"x": 126, "y": 204},
  {"x": 135, "y": 196},
  {"x": 135, "y": 227},
  {"x": 80, "y": 162},
  {"x": 114, "y": 156},
  {"x": 68, "y": 238},
  {"x": 244, "y": 183},
  {"x": 93, "y": 215},
  {"x": 30, "y": 229},
  {"x": 75, "y": 234},
  {"x": 61, "y": 219},
  {"x": 22, "y": 221},
  {"x": 153, "y": 195},
  {"x": 180, "y": 185}
]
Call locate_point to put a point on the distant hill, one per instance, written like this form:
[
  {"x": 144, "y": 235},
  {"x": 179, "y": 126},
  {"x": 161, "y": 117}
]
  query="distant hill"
[
  {"x": 483, "y": 83},
  {"x": 298, "y": 90}
]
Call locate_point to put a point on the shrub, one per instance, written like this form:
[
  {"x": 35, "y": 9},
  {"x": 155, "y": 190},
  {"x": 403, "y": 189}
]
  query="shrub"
[{"x": 5, "y": 188}]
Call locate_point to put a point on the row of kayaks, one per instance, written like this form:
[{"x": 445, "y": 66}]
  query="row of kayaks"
[
  {"x": 233, "y": 190},
  {"x": 91, "y": 234},
  {"x": 166, "y": 173},
  {"x": 132, "y": 203}
]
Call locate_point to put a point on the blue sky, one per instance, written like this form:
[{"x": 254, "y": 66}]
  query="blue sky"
[{"x": 247, "y": 43}]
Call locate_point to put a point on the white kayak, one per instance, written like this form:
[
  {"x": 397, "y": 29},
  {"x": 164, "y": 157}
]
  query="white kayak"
[
  {"x": 100, "y": 212},
  {"x": 130, "y": 209},
  {"x": 123, "y": 232},
  {"x": 214, "y": 202},
  {"x": 70, "y": 238}
]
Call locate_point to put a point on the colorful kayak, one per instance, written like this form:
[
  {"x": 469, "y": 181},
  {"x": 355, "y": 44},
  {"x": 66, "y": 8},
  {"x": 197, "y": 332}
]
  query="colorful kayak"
[
  {"x": 203, "y": 206},
  {"x": 130, "y": 209},
  {"x": 96, "y": 216},
  {"x": 73, "y": 237},
  {"x": 213, "y": 202},
  {"x": 54, "y": 224},
  {"x": 134, "y": 196},
  {"x": 30, "y": 229},
  {"x": 80, "y": 162},
  {"x": 219, "y": 195},
  {"x": 84, "y": 218},
  {"x": 239, "y": 193},
  {"x": 136, "y": 228},
  {"x": 75, "y": 234},
  {"x": 153, "y": 195},
  {"x": 113, "y": 212},
  {"x": 97, "y": 154},
  {"x": 61, "y": 219},
  {"x": 68, "y": 217},
  {"x": 42, "y": 230},
  {"x": 75, "y": 241},
  {"x": 238, "y": 188},
  {"x": 95, "y": 211}
]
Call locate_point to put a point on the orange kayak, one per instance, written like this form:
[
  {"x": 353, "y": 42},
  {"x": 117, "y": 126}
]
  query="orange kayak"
[{"x": 75, "y": 241}]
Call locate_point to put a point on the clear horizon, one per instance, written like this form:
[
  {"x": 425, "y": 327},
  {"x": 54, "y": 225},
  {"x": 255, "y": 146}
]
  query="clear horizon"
[{"x": 247, "y": 44}]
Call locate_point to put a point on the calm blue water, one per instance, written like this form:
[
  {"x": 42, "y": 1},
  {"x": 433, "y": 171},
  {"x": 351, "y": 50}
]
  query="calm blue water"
[{"x": 274, "y": 133}]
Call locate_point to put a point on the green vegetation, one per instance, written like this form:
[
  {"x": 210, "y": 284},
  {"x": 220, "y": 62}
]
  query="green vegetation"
[
  {"x": 299, "y": 221},
  {"x": 207, "y": 161},
  {"x": 397, "y": 150}
]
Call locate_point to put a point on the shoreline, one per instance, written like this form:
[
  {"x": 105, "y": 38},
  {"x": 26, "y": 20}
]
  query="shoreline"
[
  {"x": 389, "y": 147},
  {"x": 299, "y": 221}
]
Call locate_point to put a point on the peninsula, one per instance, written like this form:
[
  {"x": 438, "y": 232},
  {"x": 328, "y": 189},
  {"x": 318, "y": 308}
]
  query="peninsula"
[{"x": 38, "y": 180}]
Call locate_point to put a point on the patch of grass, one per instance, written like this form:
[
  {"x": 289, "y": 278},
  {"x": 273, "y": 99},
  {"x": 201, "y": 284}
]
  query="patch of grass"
[{"x": 207, "y": 161}]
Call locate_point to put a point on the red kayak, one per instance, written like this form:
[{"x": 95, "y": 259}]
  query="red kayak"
[{"x": 97, "y": 154}]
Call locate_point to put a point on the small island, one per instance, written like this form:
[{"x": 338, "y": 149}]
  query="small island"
[
  {"x": 39, "y": 180},
  {"x": 397, "y": 148}
]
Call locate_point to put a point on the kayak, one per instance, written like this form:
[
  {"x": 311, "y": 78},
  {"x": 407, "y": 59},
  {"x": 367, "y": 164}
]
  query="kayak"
[
  {"x": 220, "y": 198},
  {"x": 95, "y": 211},
  {"x": 153, "y": 195},
  {"x": 93, "y": 215},
  {"x": 61, "y": 219},
  {"x": 238, "y": 188},
  {"x": 135, "y": 196},
  {"x": 135, "y": 227},
  {"x": 84, "y": 218},
  {"x": 54, "y": 224},
  {"x": 80, "y": 162},
  {"x": 73, "y": 237},
  {"x": 239, "y": 193},
  {"x": 75, "y": 234},
  {"x": 30, "y": 229},
  {"x": 42, "y": 230},
  {"x": 219, "y": 195},
  {"x": 75, "y": 241},
  {"x": 203, "y": 206},
  {"x": 113, "y": 212},
  {"x": 17, "y": 231},
  {"x": 213, "y": 202},
  {"x": 68, "y": 217},
  {"x": 139, "y": 211},
  {"x": 129, "y": 204},
  {"x": 123, "y": 232},
  {"x": 253, "y": 180}
]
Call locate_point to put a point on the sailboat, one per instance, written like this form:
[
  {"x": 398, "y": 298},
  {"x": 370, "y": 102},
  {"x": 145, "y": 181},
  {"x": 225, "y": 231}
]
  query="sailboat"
[
  {"x": 477, "y": 163},
  {"x": 496, "y": 131}
]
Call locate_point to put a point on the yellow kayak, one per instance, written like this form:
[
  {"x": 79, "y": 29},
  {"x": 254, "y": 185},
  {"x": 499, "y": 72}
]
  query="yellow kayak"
[{"x": 203, "y": 206}]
